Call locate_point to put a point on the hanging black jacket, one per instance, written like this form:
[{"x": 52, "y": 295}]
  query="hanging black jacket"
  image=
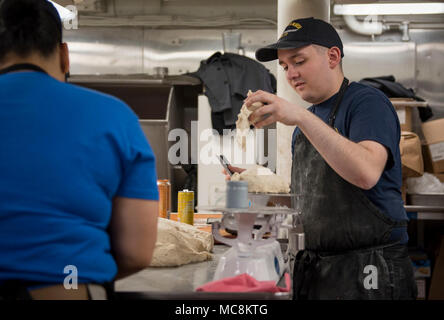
[{"x": 227, "y": 78}]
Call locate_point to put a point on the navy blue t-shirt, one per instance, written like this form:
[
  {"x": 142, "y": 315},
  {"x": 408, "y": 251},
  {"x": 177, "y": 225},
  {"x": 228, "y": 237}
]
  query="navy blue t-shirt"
[{"x": 366, "y": 114}]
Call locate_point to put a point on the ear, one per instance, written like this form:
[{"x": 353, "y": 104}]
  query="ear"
[
  {"x": 64, "y": 57},
  {"x": 334, "y": 57}
]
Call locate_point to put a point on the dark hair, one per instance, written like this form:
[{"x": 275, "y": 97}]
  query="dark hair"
[{"x": 28, "y": 26}]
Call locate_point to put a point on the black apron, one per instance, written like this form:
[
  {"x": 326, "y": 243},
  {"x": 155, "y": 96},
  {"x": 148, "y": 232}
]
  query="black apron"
[{"x": 348, "y": 253}]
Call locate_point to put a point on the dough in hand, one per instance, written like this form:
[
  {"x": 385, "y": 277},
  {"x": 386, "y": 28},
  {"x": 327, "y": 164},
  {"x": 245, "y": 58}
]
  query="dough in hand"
[
  {"x": 180, "y": 243},
  {"x": 243, "y": 124},
  {"x": 262, "y": 180}
]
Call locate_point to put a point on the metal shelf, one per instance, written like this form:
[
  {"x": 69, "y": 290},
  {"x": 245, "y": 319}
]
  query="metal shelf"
[
  {"x": 419, "y": 208},
  {"x": 252, "y": 210},
  {"x": 426, "y": 206},
  {"x": 426, "y": 212}
]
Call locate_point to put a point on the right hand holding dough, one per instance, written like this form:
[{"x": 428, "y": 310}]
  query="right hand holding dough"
[
  {"x": 255, "y": 106},
  {"x": 274, "y": 109}
]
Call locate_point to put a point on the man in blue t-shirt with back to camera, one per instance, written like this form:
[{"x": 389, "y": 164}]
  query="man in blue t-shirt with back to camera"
[
  {"x": 347, "y": 167},
  {"x": 78, "y": 184}
]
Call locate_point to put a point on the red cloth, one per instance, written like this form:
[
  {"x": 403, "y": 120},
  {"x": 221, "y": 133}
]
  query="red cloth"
[{"x": 244, "y": 283}]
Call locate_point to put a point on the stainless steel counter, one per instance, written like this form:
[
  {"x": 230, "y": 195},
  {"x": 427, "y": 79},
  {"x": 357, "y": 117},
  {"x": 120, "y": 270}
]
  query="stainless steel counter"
[
  {"x": 185, "y": 278},
  {"x": 176, "y": 283}
]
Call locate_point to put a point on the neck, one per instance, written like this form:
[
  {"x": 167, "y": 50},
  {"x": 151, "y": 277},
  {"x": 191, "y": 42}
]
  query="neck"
[
  {"x": 334, "y": 88},
  {"x": 46, "y": 64}
]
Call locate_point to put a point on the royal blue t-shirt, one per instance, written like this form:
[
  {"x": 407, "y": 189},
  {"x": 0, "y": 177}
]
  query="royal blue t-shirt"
[
  {"x": 65, "y": 153},
  {"x": 366, "y": 114}
]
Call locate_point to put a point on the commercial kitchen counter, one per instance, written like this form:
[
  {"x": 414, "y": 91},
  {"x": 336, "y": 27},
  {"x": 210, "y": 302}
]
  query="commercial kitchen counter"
[{"x": 179, "y": 283}]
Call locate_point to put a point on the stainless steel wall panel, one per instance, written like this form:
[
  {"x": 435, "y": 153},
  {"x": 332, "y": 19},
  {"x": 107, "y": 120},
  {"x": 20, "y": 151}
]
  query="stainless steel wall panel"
[
  {"x": 430, "y": 68},
  {"x": 136, "y": 7},
  {"x": 255, "y": 39},
  {"x": 431, "y": 72},
  {"x": 196, "y": 8},
  {"x": 417, "y": 64},
  {"x": 179, "y": 50},
  {"x": 182, "y": 50},
  {"x": 216, "y": 8},
  {"x": 105, "y": 50},
  {"x": 370, "y": 59}
]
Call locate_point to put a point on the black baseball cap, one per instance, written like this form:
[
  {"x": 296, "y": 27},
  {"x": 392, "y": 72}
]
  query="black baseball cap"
[{"x": 300, "y": 33}]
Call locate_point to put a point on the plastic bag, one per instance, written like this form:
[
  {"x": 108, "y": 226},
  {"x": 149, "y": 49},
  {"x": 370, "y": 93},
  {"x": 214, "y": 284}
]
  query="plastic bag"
[{"x": 426, "y": 184}]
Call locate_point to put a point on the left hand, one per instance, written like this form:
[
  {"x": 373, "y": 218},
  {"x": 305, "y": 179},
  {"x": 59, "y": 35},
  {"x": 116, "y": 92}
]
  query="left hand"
[{"x": 276, "y": 108}]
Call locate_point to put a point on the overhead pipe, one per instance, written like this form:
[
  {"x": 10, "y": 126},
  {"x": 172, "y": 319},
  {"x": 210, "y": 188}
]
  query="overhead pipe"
[
  {"x": 366, "y": 27},
  {"x": 371, "y": 27}
]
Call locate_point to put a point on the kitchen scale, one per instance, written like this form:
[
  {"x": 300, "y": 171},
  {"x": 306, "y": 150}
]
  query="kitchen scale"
[{"x": 255, "y": 251}]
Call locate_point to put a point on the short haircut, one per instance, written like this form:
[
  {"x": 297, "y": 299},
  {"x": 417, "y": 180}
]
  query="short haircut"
[
  {"x": 322, "y": 50},
  {"x": 28, "y": 26}
]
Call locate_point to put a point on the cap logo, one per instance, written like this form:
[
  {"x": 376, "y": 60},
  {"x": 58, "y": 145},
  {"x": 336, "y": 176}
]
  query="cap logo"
[
  {"x": 295, "y": 24},
  {"x": 283, "y": 35}
]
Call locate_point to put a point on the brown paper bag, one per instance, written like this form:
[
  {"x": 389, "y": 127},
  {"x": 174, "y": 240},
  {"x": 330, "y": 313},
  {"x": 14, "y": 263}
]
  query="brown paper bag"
[{"x": 411, "y": 155}]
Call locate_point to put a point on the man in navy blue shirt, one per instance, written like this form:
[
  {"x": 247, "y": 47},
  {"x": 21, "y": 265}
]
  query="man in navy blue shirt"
[{"x": 347, "y": 167}]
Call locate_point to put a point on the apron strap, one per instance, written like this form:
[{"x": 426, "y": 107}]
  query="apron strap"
[{"x": 332, "y": 116}]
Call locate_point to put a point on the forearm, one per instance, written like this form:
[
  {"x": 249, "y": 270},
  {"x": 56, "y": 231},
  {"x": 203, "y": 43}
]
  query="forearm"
[
  {"x": 133, "y": 231},
  {"x": 360, "y": 163},
  {"x": 127, "y": 269},
  {"x": 130, "y": 262},
  {"x": 352, "y": 161}
]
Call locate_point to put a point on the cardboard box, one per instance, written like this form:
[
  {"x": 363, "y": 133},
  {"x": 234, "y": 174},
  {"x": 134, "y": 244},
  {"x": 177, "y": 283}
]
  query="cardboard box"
[
  {"x": 428, "y": 167},
  {"x": 440, "y": 176},
  {"x": 411, "y": 155},
  {"x": 404, "y": 113},
  {"x": 434, "y": 136},
  {"x": 405, "y": 118},
  {"x": 200, "y": 220},
  {"x": 403, "y": 107}
]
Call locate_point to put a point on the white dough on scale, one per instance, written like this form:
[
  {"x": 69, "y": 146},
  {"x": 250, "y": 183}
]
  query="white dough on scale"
[{"x": 262, "y": 180}]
